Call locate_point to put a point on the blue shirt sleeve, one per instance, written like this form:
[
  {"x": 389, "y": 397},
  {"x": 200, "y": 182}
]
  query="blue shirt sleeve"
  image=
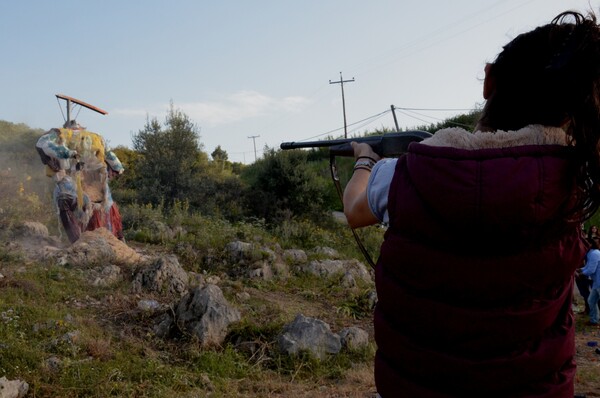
[
  {"x": 591, "y": 262},
  {"x": 378, "y": 188}
]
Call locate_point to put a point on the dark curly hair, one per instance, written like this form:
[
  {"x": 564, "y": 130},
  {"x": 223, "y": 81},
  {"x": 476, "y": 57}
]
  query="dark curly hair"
[{"x": 551, "y": 76}]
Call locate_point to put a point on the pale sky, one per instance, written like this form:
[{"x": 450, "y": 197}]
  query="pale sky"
[{"x": 254, "y": 68}]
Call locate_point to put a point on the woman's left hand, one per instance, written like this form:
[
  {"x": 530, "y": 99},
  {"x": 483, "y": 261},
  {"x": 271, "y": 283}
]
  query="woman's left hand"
[{"x": 364, "y": 150}]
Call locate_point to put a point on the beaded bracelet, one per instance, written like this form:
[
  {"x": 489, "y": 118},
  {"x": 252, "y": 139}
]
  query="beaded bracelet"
[
  {"x": 367, "y": 163},
  {"x": 364, "y": 164}
]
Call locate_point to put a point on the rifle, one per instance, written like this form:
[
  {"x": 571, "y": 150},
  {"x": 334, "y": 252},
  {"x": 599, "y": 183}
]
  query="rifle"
[
  {"x": 389, "y": 145},
  {"x": 386, "y": 146}
]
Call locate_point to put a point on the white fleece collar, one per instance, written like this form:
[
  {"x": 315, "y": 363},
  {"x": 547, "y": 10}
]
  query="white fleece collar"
[{"x": 456, "y": 137}]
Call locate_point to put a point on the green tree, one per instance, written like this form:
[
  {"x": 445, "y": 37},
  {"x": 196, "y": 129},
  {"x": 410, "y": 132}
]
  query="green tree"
[
  {"x": 123, "y": 187},
  {"x": 237, "y": 168},
  {"x": 220, "y": 157},
  {"x": 219, "y": 195},
  {"x": 219, "y": 154},
  {"x": 171, "y": 158}
]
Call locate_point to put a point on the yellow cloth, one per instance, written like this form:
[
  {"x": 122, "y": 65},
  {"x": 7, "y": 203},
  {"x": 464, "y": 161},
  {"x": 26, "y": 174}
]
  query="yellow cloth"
[
  {"x": 90, "y": 149},
  {"x": 85, "y": 142}
]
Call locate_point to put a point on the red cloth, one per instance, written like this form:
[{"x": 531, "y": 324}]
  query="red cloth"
[
  {"x": 112, "y": 223},
  {"x": 115, "y": 220},
  {"x": 474, "y": 279}
]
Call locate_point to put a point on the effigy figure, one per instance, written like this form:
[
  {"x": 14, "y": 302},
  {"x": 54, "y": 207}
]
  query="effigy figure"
[{"x": 81, "y": 165}]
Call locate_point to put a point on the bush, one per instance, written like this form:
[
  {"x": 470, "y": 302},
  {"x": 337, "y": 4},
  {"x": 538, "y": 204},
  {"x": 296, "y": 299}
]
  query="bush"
[{"x": 284, "y": 183}]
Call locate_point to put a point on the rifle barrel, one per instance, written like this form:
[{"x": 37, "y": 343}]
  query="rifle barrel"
[
  {"x": 405, "y": 137},
  {"x": 314, "y": 144}
]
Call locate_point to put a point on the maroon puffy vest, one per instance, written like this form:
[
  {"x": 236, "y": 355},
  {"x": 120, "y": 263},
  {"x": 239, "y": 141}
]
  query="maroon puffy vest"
[{"x": 474, "y": 279}]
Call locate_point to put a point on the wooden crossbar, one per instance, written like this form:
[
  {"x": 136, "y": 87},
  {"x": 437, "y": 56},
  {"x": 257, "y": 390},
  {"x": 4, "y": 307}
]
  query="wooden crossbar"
[{"x": 79, "y": 102}]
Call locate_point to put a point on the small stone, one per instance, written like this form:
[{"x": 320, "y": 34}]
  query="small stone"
[
  {"x": 148, "y": 305},
  {"x": 243, "y": 296}
]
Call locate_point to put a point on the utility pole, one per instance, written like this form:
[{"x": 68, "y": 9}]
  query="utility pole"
[
  {"x": 254, "y": 137},
  {"x": 341, "y": 82},
  {"x": 395, "y": 120}
]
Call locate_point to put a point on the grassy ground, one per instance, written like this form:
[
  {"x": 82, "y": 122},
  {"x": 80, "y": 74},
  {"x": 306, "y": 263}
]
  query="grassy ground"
[
  {"x": 67, "y": 338},
  {"x": 587, "y": 340}
]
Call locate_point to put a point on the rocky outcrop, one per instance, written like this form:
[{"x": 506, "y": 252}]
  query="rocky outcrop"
[
  {"x": 32, "y": 229},
  {"x": 354, "y": 338},
  {"x": 326, "y": 252},
  {"x": 163, "y": 276},
  {"x": 329, "y": 268},
  {"x": 205, "y": 313},
  {"x": 295, "y": 256},
  {"x": 100, "y": 247},
  {"x": 105, "y": 276},
  {"x": 309, "y": 334},
  {"x": 163, "y": 325},
  {"x": 12, "y": 388},
  {"x": 254, "y": 261},
  {"x": 32, "y": 240},
  {"x": 243, "y": 253}
]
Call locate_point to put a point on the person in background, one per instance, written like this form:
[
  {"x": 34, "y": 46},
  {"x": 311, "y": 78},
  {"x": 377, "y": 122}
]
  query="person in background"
[
  {"x": 584, "y": 282},
  {"x": 593, "y": 233},
  {"x": 591, "y": 270},
  {"x": 475, "y": 274},
  {"x": 584, "y": 285}
]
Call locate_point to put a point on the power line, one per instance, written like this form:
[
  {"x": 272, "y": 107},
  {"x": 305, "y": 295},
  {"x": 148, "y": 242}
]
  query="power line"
[
  {"x": 414, "y": 117},
  {"x": 404, "y": 110},
  {"x": 366, "y": 123},
  {"x": 407, "y": 111},
  {"x": 434, "y": 118},
  {"x": 339, "y": 128},
  {"x": 438, "y": 109}
]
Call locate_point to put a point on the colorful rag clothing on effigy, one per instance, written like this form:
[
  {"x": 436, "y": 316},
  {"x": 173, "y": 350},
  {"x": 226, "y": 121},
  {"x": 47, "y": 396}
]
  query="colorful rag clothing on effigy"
[{"x": 81, "y": 165}]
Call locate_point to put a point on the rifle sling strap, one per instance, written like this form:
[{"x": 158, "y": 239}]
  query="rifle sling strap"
[{"x": 338, "y": 187}]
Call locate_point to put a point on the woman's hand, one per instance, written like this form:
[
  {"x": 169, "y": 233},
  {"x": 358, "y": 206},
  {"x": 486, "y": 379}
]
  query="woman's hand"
[{"x": 364, "y": 150}]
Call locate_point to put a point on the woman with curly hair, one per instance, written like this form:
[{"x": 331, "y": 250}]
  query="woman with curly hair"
[{"x": 475, "y": 275}]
